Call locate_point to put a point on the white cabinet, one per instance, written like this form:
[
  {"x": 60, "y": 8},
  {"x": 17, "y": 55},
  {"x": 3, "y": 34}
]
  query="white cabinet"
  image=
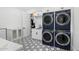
[
  {"x": 3, "y": 33},
  {"x": 37, "y": 34},
  {"x": 14, "y": 35},
  {"x": 26, "y": 25},
  {"x": 37, "y": 31}
]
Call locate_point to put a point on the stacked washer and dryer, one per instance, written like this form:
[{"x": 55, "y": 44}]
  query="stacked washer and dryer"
[
  {"x": 57, "y": 29},
  {"x": 48, "y": 29}
]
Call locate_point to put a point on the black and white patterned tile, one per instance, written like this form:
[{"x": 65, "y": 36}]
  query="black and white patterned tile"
[{"x": 36, "y": 45}]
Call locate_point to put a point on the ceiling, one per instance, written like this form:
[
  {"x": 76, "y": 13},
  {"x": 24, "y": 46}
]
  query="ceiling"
[{"x": 35, "y": 9}]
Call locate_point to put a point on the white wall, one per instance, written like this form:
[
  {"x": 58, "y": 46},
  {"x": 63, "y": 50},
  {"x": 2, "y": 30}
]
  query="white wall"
[
  {"x": 76, "y": 29},
  {"x": 14, "y": 18},
  {"x": 10, "y": 18}
]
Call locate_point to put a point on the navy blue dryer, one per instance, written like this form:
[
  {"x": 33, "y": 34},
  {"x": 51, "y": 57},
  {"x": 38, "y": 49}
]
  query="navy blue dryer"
[
  {"x": 48, "y": 37},
  {"x": 62, "y": 19},
  {"x": 48, "y": 20},
  {"x": 63, "y": 39}
]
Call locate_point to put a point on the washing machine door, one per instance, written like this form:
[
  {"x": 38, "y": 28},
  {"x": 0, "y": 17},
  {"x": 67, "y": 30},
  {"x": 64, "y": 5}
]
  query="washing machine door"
[
  {"x": 47, "y": 19},
  {"x": 47, "y": 36},
  {"x": 62, "y": 39},
  {"x": 62, "y": 18}
]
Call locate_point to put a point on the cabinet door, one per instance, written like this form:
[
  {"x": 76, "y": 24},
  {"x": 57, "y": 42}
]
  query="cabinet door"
[
  {"x": 26, "y": 25},
  {"x": 37, "y": 34},
  {"x": 3, "y": 33},
  {"x": 34, "y": 34}
]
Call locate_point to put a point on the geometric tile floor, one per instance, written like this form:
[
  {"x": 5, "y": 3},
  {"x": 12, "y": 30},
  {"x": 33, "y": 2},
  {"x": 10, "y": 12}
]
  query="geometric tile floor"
[{"x": 36, "y": 45}]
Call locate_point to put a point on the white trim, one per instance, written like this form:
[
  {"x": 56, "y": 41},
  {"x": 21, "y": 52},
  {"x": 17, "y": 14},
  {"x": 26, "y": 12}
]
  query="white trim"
[{"x": 72, "y": 27}]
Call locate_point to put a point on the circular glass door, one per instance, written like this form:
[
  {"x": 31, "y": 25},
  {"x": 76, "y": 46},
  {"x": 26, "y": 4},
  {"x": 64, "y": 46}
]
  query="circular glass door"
[
  {"x": 47, "y": 19},
  {"x": 47, "y": 36},
  {"x": 62, "y": 39},
  {"x": 62, "y": 18}
]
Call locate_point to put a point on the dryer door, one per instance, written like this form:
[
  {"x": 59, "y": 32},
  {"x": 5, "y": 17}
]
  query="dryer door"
[
  {"x": 62, "y": 18},
  {"x": 62, "y": 39},
  {"x": 47, "y": 19},
  {"x": 47, "y": 36}
]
